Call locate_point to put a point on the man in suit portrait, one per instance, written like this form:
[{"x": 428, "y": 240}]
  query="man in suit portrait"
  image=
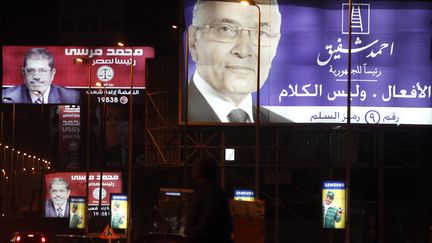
[
  {"x": 58, "y": 203},
  {"x": 223, "y": 43},
  {"x": 38, "y": 72}
]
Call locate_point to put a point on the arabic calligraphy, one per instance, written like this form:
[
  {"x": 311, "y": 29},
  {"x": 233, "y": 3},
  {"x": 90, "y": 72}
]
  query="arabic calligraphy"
[
  {"x": 418, "y": 91},
  {"x": 359, "y": 70},
  {"x": 99, "y": 52},
  {"x": 371, "y": 117},
  {"x": 335, "y": 54},
  {"x": 114, "y": 92},
  {"x": 304, "y": 92}
]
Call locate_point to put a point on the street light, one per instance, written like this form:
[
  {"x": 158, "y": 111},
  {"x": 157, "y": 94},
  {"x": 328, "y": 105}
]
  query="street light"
[
  {"x": 10, "y": 100},
  {"x": 39, "y": 93},
  {"x": 100, "y": 84},
  {"x": 257, "y": 122},
  {"x": 130, "y": 153},
  {"x": 87, "y": 61}
]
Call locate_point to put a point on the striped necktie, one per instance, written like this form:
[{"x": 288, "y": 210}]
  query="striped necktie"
[
  {"x": 38, "y": 101},
  {"x": 59, "y": 212}
]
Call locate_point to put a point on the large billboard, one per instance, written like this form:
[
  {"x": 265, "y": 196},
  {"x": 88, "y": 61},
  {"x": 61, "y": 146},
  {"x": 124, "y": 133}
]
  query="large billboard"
[
  {"x": 303, "y": 61},
  {"x": 60, "y": 186},
  {"x": 53, "y": 75}
]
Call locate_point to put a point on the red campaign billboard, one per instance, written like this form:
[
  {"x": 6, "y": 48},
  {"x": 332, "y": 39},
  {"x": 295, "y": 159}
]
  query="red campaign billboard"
[
  {"x": 111, "y": 183},
  {"x": 109, "y": 65}
]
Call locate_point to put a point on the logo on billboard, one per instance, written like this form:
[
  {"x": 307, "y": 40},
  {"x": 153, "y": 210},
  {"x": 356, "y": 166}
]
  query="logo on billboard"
[
  {"x": 360, "y": 18},
  {"x": 105, "y": 73},
  {"x": 123, "y": 100},
  {"x": 96, "y": 193}
]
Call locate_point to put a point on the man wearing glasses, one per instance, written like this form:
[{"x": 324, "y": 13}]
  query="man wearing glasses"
[
  {"x": 38, "y": 71},
  {"x": 223, "y": 42}
]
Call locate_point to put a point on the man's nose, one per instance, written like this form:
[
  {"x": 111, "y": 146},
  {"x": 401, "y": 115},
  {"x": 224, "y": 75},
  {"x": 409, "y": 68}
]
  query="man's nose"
[
  {"x": 243, "y": 45},
  {"x": 36, "y": 77}
]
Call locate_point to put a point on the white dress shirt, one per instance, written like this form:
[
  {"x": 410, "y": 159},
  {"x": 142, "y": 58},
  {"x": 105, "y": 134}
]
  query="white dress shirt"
[{"x": 221, "y": 105}]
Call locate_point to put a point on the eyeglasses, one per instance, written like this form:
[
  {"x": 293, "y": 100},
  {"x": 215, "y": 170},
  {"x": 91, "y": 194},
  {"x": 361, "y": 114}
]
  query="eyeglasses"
[
  {"x": 32, "y": 71},
  {"x": 229, "y": 33}
]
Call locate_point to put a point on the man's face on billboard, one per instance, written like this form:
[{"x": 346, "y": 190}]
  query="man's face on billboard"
[
  {"x": 328, "y": 200},
  {"x": 223, "y": 43},
  {"x": 38, "y": 75},
  {"x": 59, "y": 193}
]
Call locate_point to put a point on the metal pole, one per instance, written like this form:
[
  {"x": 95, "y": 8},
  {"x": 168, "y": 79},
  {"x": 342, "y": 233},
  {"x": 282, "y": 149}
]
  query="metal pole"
[
  {"x": 12, "y": 157},
  {"x": 41, "y": 201},
  {"x": 128, "y": 232},
  {"x": 87, "y": 220},
  {"x": 257, "y": 122},
  {"x": 348, "y": 152},
  {"x": 103, "y": 147},
  {"x": 1, "y": 125}
]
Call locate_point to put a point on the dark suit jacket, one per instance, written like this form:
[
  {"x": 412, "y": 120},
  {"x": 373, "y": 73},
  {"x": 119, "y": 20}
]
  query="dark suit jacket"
[
  {"x": 199, "y": 110},
  {"x": 58, "y": 95},
  {"x": 51, "y": 212}
]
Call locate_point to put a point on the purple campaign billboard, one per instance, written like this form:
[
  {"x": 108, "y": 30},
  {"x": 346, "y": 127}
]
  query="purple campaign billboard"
[{"x": 304, "y": 62}]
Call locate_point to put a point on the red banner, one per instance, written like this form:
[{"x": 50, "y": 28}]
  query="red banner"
[
  {"x": 109, "y": 65},
  {"x": 111, "y": 183}
]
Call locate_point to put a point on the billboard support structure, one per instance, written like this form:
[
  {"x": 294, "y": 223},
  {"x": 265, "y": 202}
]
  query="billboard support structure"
[
  {"x": 348, "y": 152},
  {"x": 257, "y": 122}
]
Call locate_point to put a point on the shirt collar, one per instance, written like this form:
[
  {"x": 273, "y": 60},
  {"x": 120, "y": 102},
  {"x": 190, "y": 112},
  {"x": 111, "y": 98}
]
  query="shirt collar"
[
  {"x": 218, "y": 102},
  {"x": 63, "y": 207}
]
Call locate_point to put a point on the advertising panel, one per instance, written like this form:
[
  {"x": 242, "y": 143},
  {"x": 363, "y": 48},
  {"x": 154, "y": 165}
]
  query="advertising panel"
[
  {"x": 119, "y": 211},
  {"x": 60, "y": 186},
  {"x": 77, "y": 212},
  {"x": 333, "y": 206},
  {"x": 303, "y": 61},
  {"x": 29, "y": 71},
  {"x": 244, "y": 195}
]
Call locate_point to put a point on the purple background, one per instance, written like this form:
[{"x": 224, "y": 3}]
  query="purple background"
[{"x": 307, "y": 27}]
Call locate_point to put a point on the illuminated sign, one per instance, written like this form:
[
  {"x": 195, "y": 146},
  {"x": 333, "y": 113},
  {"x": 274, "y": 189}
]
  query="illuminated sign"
[
  {"x": 77, "y": 212},
  {"x": 304, "y": 63},
  {"x": 55, "y": 72},
  {"x": 69, "y": 184},
  {"x": 244, "y": 195},
  {"x": 119, "y": 211},
  {"x": 333, "y": 205}
]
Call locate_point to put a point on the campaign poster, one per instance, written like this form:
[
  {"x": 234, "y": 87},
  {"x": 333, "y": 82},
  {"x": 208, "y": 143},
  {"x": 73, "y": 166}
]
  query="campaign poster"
[
  {"x": 77, "y": 212},
  {"x": 333, "y": 205},
  {"x": 64, "y": 74},
  {"x": 119, "y": 211},
  {"x": 304, "y": 70},
  {"x": 76, "y": 185}
]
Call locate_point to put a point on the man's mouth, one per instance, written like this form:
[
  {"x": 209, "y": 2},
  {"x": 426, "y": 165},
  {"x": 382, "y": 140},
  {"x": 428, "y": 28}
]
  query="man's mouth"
[{"x": 240, "y": 68}]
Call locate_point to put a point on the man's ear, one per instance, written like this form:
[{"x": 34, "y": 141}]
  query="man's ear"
[{"x": 192, "y": 40}]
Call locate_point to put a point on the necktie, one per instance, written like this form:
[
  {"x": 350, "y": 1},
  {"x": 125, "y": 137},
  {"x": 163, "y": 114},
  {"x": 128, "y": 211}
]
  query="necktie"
[
  {"x": 59, "y": 212},
  {"x": 238, "y": 115},
  {"x": 38, "y": 101}
]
